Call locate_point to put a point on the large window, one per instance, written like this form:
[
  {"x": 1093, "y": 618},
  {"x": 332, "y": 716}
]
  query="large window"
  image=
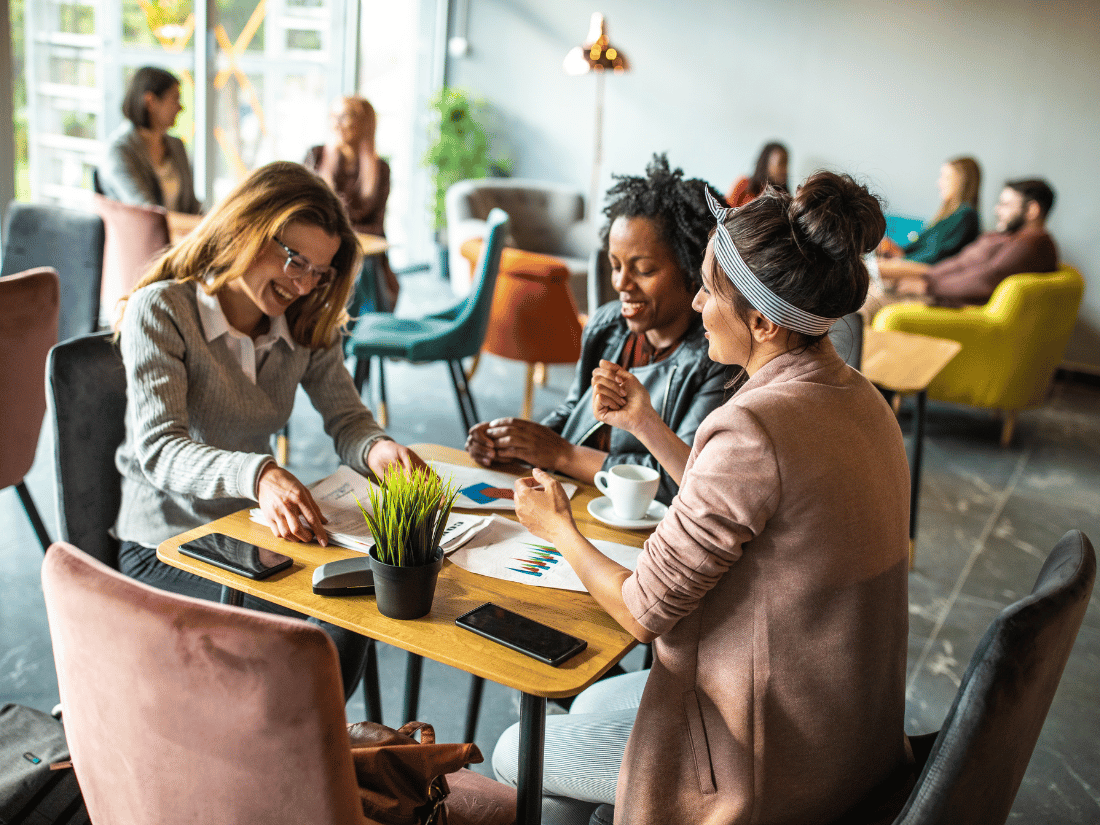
[{"x": 273, "y": 70}]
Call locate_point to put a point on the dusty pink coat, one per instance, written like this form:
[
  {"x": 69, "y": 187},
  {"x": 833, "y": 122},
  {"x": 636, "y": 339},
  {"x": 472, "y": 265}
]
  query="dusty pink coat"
[{"x": 778, "y": 585}]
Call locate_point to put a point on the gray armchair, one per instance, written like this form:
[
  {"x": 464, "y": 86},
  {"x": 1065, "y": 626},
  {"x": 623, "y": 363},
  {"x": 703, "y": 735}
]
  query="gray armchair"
[{"x": 548, "y": 218}]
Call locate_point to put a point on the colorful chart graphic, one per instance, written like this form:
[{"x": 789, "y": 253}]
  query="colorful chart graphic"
[
  {"x": 539, "y": 560},
  {"x": 482, "y": 493}
]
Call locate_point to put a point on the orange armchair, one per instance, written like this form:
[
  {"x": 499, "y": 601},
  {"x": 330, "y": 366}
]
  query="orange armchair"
[{"x": 534, "y": 315}]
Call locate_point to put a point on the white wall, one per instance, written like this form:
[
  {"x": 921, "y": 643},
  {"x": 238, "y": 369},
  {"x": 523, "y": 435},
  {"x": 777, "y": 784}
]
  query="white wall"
[{"x": 885, "y": 90}]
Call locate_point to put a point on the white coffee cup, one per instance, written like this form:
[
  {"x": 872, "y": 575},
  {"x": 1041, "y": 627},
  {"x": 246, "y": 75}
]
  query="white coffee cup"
[{"x": 631, "y": 488}]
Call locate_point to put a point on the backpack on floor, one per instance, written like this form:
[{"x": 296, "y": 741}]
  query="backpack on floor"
[{"x": 30, "y": 792}]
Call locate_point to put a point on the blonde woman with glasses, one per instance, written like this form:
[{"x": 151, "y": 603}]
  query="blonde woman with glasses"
[{"x": 216, "y": 339}]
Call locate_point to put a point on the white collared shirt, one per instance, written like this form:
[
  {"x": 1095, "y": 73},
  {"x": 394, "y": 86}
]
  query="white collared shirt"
[{"x": 250, "y": 354}]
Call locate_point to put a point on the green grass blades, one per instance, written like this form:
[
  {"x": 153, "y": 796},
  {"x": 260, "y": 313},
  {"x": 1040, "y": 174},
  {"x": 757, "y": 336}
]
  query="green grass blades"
[{"x": 410, "y": 511}]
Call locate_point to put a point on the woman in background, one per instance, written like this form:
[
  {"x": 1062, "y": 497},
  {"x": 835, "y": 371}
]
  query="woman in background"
[
  {"x": 953, "y": 226},
  {"x": 144, "y": 165},
  {"x": 771, "y": 168},
  {"x": 775, "y": 589},
  {"x": 656, "y": 231},
  {"x": 350, "y": 165},
  {"x": 216, "y": 340}
]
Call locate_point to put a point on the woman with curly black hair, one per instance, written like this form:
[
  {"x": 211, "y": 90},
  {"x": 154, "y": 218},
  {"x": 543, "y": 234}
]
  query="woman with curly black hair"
[
  {"x": 774, "y": 590},
  {"x": 655, "y": 235}
]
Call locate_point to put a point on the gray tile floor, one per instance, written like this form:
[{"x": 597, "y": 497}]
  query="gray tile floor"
[{"x": 988, "y": 518}]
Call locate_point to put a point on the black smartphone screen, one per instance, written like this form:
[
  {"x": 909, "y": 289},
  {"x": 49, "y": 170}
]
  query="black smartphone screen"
[
  {"x": 520, "y": 633},
  {"x": 236, "y": 556}
]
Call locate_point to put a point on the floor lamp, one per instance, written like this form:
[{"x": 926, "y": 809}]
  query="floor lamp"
[{"x": 599, "y": 56}]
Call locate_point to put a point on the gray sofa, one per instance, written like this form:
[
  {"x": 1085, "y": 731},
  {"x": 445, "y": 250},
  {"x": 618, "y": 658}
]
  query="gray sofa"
[{"x": 544, "y": 217}]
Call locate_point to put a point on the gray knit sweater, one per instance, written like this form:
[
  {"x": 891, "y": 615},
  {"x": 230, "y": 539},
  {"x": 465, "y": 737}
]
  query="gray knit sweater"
[{"x": 197, "y": 430}]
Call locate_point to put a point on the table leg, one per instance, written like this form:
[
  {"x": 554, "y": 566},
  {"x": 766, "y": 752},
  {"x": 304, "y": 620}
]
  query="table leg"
[
  {"x": 372, "y": 695},
  {"x": 915, "y": 472},
  {"x": 532, "y": 741},
  {"x": 231, "y": 596},
  {"x": 473, "y": 707},
  {"x": 413, "y": 665}
]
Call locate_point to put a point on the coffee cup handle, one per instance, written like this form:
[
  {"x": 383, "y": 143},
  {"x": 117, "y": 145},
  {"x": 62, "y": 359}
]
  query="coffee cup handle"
[{"x": 600, "y": 481}]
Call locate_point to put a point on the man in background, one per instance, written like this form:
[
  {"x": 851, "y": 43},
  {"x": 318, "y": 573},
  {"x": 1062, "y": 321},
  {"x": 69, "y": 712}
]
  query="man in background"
[{"x": 1020, "y": 243}]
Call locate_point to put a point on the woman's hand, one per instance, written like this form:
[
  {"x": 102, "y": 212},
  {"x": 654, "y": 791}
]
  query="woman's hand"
[
  {"x": 285, "y": 501},
  {"x": 619, "y": 399},
  {"x": 384, "y": 453},
  {"x": 543, "y": 507},
  {"x": 517, "y": 439},
  {"x": 479, "y": 445}
]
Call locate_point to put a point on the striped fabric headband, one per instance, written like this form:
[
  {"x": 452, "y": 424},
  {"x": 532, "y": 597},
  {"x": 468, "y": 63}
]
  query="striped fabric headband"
[{"x": 766, "y": 302}]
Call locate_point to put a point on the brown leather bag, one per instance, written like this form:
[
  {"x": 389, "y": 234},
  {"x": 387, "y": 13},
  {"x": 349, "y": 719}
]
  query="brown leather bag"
[{"x": 401, "y": 781}]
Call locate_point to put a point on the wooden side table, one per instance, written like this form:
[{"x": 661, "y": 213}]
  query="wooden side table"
[{"x": 906, "y": 363}]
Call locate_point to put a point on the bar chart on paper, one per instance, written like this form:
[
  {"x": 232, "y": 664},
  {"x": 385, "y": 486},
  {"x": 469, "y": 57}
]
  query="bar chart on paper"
[{"x": 507, "y": 550}]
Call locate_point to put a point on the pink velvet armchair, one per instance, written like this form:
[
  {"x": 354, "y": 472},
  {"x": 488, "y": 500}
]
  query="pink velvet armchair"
[{"x": 179, "y": 711}]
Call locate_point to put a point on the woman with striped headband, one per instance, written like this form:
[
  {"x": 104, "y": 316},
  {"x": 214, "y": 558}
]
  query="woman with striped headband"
[{"x": 775, "y": 590}]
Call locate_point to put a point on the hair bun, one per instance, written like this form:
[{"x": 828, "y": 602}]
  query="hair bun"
[{"x": 838, "y": 215}]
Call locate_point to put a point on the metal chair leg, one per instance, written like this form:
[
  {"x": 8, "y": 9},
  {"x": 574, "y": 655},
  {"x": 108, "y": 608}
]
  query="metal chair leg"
[
  {"x": 383, "y": 411},
  {"x": 466, "y": 406},
  {"x": 32, "y": 514},
  {"x": 362, "y": 373}
]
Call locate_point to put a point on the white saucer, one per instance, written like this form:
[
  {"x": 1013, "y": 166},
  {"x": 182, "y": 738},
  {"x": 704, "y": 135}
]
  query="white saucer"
[{"x": 601, "y": 510}]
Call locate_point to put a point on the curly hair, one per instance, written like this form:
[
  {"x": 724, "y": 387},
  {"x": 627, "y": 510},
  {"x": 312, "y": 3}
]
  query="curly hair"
[{"x": 677, "y": 207}]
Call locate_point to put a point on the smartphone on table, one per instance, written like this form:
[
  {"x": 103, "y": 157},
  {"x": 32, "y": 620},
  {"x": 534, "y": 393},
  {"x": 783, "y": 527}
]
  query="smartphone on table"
[
  {"x": 236, "y": 556},
  {"x": 522, "y": 634}
]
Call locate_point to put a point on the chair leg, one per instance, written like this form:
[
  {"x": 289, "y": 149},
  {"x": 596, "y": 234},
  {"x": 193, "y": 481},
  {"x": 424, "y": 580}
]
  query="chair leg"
[
  {"x": 361, "y": 377},
  {"x": 383, "y": 412},
  {"x": 1008, "y": 428},
  {"x": 528, "y": 393},
  {"x": 473, "y": 367},
  {"x": 466, "y": 406},
  {"x": 32, "y": 514},
  {"x": 282, "y": 446}
]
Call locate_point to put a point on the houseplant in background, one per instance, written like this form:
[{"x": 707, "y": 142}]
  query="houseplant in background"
[
  {"x": 458, "y": 149},
  {"x": 407, "y": 516}
]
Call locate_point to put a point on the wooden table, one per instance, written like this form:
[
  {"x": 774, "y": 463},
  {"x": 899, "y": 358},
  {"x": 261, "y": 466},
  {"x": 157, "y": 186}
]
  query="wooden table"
[
  {"x": 436, "y": 636},
  {"x": 904, "y": 362}
]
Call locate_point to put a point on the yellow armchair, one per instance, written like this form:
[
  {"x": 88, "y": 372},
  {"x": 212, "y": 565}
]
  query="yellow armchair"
[{"x": 1011, "y": 346}]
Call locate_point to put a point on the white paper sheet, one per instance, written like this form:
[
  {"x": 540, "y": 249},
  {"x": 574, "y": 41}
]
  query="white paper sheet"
[
  {"x": 507, "y": 550},
  {"x": 335, "y": 496}
]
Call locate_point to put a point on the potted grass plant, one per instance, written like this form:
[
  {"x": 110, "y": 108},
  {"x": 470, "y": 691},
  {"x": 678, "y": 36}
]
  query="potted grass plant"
[{"x": 407, "y": 516}]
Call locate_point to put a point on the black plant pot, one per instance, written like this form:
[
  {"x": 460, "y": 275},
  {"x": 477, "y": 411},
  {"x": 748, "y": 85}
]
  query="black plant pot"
[{"x": 405, "y": 592}]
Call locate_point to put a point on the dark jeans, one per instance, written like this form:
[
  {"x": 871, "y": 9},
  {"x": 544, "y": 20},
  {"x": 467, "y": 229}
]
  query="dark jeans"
[{"x": 141, "y": 563}]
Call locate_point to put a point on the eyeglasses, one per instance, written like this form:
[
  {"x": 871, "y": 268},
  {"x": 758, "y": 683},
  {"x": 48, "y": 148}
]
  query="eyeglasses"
[{"x": 298, "y": 266}]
